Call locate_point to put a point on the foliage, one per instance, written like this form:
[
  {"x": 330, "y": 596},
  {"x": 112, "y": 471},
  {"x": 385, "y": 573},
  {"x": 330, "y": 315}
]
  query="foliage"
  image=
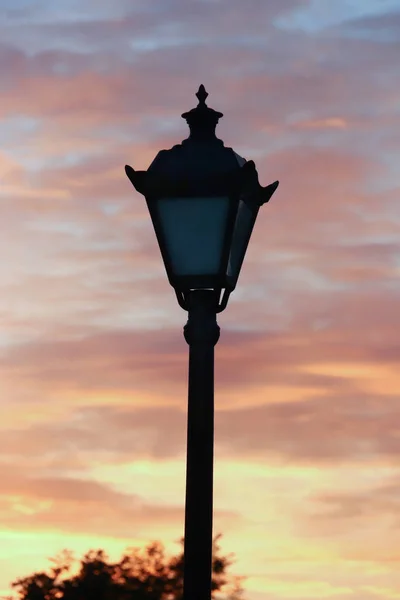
[{"x": 145, "y": 574}]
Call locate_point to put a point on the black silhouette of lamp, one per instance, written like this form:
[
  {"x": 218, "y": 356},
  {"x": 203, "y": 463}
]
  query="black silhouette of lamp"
[{"x": 203, "y": 200}]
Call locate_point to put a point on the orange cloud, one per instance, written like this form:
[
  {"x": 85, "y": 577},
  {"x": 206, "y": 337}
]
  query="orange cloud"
[{"x": 93, "y": 364}]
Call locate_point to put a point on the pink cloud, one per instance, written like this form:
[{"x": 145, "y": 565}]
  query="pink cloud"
[
  {"x": 80, "y": 506},
  {"x": 93, "y": 364}
]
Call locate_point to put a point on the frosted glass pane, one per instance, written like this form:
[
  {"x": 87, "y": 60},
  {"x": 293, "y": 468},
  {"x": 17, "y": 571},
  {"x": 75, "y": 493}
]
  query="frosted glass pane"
[
  {"x": 194, "y": 231},
  {"x": 243, "y": 226}
]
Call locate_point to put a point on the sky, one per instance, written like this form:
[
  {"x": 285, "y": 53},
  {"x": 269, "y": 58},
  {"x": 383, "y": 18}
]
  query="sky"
[{"x": 93, "y": 363}]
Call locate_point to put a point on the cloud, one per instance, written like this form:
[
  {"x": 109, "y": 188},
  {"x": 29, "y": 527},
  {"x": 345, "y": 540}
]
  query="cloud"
[
  {"x": 303, "y": 391},
  {"x": 333, "y": 428},
  {"x": 353, "y": 511},
  {"x": 57, "y": 503},
  {"x": 382, "y": 500},
  {"x": 93, "y": 364},
  {"x": 382, "y": 27}
]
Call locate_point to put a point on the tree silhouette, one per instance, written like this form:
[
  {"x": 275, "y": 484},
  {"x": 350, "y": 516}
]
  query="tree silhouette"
[{"x": 145, "y": 574}]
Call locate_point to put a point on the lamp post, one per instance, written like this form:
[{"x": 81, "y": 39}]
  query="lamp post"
[{"x": 203, "y": 200}]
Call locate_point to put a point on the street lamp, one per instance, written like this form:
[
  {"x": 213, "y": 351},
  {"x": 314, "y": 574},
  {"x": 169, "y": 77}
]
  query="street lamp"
[{"x": 203, "y": 200}]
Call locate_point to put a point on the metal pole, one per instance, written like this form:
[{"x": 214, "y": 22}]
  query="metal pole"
[{"x": 201, "y": 333}]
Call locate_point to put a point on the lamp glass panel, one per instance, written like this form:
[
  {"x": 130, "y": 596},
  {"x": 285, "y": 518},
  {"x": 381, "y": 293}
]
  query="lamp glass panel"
[
  {"x": 194, "y": 231},
  {"x": 244, "y": 223}
]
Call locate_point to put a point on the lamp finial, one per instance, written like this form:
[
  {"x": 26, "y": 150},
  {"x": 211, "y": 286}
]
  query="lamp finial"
[{"x": 202, "y": 95}]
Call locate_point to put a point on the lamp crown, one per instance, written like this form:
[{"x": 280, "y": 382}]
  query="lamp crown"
[{"x": 202, "y": 120}]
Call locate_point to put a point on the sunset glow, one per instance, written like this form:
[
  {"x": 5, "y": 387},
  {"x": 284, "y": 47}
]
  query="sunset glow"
[{"x": 93, "y": 363}]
